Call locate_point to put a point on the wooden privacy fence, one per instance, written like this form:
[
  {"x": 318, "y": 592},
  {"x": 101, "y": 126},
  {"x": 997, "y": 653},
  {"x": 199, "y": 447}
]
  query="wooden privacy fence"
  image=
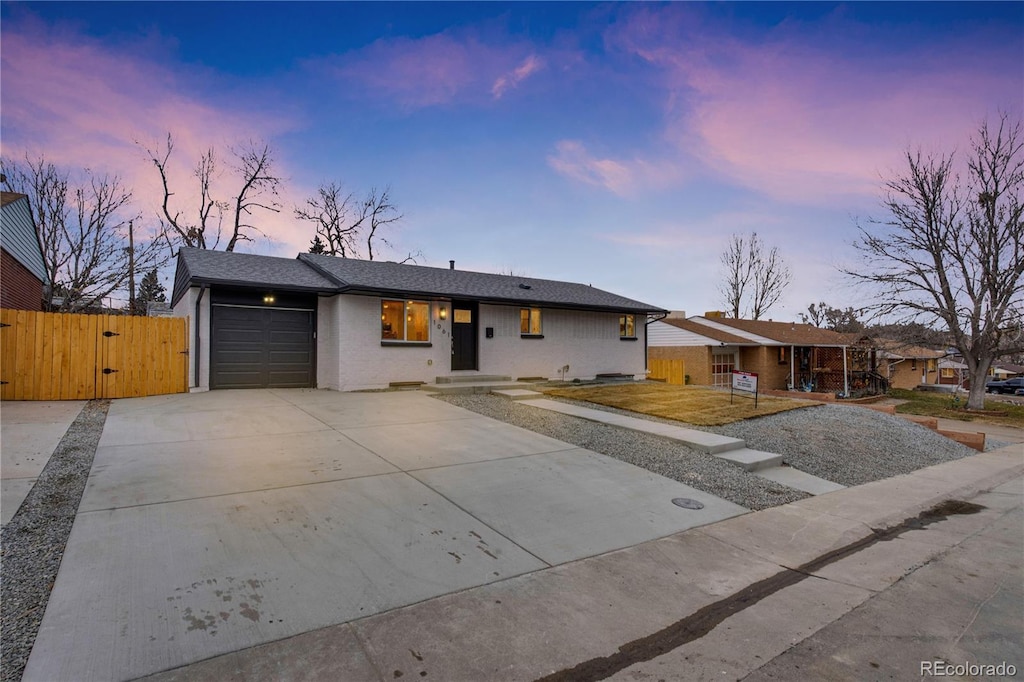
[
  {"x": 66, "y": 356},
  {"x": 671, "y": 371}
]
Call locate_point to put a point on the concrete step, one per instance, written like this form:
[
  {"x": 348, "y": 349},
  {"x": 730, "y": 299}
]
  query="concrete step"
[
  {"x": 751, "y": 460},
  {"x": 471, "y": 378},
  {"x": 517, "y": 393},
  {"x": 466, "y": 387},
  {"x": 800, "y": 480}
]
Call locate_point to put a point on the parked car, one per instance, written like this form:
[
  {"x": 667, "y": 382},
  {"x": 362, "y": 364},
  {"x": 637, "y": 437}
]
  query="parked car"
[{"x": 1014, "y": 385}]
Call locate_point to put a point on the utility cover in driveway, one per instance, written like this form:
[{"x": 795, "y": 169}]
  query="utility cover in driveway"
[{"x": 261, "y": 347}]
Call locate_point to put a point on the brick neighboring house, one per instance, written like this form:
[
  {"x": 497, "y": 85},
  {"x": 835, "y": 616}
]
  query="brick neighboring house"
[
  {"x": 22, "y": 268},
  {"x": 783, "y": 354},
  {"x": 906, "y": 365}
]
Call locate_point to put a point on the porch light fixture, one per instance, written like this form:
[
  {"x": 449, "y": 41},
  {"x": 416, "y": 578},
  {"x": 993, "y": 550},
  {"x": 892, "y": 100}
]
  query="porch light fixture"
[
  {"x": 443, "y": 313},
  {"x": 268, "y": 299}
]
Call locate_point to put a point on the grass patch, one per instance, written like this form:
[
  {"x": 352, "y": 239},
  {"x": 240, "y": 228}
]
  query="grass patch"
[
  {"x": 690, "y": 404},
  {"x": 941, "y": 405}
]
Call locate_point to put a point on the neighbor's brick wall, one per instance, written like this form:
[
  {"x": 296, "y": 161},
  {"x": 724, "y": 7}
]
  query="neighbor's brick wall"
[
  {"x": 697, "y": 359},
  {"x": 904, "y": 377},
  {"x": 19, "y": 288},
  {"x": 765, "y": 361}
]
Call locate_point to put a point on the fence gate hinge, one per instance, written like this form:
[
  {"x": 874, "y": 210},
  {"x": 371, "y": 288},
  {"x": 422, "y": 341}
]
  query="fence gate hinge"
[
  {"x": 110, "y": 333},
  {"x": 3, "y": 383},
  {"x": 107, "y": 370},
  {"x": 4, "y": 324}
]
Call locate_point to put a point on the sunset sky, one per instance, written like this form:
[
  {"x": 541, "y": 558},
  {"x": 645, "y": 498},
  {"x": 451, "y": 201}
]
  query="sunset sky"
[{"x": 613, "y": 144}]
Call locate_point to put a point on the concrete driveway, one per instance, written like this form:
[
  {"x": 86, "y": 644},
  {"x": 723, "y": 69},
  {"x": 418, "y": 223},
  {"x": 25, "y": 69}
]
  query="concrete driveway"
[{"x": 217, "y": 521}]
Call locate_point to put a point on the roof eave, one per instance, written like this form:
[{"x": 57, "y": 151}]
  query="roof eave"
[{"x": 496, "y": 300}]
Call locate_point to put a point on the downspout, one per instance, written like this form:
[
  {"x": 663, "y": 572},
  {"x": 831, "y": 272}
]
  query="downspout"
[
  {"x": 196, "y": 354},
  {"x": 792, "y": 363},
  {"x": 846, "y": 376},
  {"x": 646, "y": 333}
]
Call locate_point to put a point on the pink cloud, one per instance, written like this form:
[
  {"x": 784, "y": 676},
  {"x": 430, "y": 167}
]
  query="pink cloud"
[
  {"x": 796, "y": 122},
  {"x": 83, "y": 104},
  {"x": 436, "y": 69},
  {"x": 530, "y": 66},
  {"x": 624, "y": 177}
]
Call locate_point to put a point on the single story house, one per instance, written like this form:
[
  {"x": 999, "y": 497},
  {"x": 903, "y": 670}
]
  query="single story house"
[
  {"x": 22, "y": 268},
  {"x": 783, "y": 354},
  {"x": 905, "y": 365},
  {"x": 345, "y": 324}
]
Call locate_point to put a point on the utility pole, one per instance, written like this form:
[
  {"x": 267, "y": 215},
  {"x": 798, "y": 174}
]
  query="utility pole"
[{"x": 131, "y": 268}]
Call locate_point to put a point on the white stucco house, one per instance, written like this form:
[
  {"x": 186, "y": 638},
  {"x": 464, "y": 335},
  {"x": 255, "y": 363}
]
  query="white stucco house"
[{"x": 344, "y": 324}]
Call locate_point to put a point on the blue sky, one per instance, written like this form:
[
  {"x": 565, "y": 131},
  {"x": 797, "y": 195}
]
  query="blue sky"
[{"x": 614, "y": 144}]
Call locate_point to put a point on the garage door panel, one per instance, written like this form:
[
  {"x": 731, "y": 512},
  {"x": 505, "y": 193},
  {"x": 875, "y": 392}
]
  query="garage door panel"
[{"x": 261, "y": 348}]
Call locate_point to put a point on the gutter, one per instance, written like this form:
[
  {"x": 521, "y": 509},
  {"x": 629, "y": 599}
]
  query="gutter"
[
  {"x": 656, "y": 317},
  {"x": 198, "y": 357}
]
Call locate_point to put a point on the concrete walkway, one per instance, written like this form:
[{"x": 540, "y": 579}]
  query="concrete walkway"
[
  {"x": 765, "y": 464},
  {"x": 718, "y": 602},
  {"x": 216, "y": 522},
  {"x": 29, "y": 433}
]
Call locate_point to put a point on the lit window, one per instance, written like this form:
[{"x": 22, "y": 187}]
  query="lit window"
[
  {"x": 947, "y": 372},
  {"x": 405, "y": 321},
  {"x": 529, "y": 321},
  {"x": 627, "y": 326},
  {"x": 783, "y": 359}
]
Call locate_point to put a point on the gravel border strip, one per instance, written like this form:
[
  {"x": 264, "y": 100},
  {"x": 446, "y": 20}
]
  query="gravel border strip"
[
  {"x": 32, "y": 543},
  {"x": 658, "y": 455}
]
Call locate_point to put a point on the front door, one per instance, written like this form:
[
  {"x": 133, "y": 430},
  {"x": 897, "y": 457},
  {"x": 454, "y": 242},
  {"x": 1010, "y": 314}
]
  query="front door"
[{"x": 464, "y": 337}]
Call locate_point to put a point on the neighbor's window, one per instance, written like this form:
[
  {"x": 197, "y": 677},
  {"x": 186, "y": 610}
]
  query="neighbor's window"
[
  {"x": 627, "y": 326},
  {"x": 404, "y": 321},
  {"x": 529, "y": 322},
  {"x": 947, "y": 372},
  {"x": 913, "y": 363},
  {"x": 783, "y": 357}
]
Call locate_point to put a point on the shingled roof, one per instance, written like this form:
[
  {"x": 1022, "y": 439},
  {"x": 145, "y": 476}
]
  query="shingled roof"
[
  {"x": 786, "y": 333},
  {"x": 709, "y": 332},
  {"x": 333, "y": 275},
  {"x": 204, "y": 266}
]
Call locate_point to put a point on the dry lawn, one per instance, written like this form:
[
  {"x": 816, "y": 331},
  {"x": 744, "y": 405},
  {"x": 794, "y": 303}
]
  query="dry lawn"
[{"x": 690, "y": 404}]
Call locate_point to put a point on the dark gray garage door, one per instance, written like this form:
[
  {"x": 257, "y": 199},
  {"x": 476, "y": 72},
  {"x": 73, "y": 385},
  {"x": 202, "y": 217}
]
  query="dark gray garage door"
[{"x": 261, "y": 347}]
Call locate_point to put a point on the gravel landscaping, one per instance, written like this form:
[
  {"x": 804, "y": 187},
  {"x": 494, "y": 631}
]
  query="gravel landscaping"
[
  {"x": 840, "y": 443},
  {"x": 33, "y": 540},
  {"x": 661, "y": 456}
]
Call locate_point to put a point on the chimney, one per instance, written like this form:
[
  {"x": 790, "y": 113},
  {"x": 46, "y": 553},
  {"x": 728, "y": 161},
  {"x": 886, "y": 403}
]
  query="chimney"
[
  {"x": 451, "y": 265},
  {"x": 713, "y": 314},
  {"x": 676, "y": 315}
]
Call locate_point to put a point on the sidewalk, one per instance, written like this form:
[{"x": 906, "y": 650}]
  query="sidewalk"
[{"x": 722, "y": 599}]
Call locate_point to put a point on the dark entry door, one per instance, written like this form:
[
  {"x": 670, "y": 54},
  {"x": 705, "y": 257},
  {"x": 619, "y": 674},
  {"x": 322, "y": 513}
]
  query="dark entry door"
[
  {"x": 261, "y": 347},
  {"x": 464, "y": 336}
]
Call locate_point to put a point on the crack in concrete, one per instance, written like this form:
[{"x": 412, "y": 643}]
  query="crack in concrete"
[{"x": 700, "y": 623}]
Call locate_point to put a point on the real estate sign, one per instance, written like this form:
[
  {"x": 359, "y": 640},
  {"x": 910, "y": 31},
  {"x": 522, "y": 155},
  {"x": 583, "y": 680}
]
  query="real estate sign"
[{"x": 744, "y": 382}]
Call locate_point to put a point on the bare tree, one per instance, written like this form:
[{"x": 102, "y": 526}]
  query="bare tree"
[
  {"x": 752, "y": 276},
  {"x": 83, "y": 230},
  {"x": 350, "y": 227},
  {"x": 331, "y": 211},
  {"x": 837, "y": 319},
  {"x": 950, "y": 253},
  {"x": 204, "y": 229}
]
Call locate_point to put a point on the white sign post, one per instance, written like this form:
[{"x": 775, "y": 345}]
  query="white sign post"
[{"x": 744, "y": 382}]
